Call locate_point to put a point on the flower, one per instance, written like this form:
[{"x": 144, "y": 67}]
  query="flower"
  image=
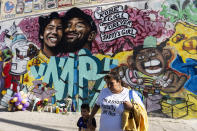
[
  {"x": 42, "y": 103},
  {"x": 38, "y": 103},
  {"x": 46, "y": 99}
]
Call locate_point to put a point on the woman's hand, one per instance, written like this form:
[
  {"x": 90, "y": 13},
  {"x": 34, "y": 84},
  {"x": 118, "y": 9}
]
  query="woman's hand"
[
  {"x": 89, "y": 124},
  {"x": 128, "y": 105}
]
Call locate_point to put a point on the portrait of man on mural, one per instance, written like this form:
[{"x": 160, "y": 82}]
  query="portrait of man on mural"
[{"x": 79, "y": 30}]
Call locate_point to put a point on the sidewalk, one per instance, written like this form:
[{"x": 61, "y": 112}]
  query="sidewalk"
[{"x": 35, "y": 121}]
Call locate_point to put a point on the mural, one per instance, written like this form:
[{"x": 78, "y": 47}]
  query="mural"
[{"x": 61, "y": 57}]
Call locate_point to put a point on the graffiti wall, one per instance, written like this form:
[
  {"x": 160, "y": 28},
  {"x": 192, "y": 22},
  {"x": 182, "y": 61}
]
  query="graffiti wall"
[{"x": 64, "y": 54}]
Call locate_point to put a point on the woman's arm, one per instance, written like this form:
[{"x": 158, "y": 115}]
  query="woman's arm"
[{"x": 94, "y": 111}]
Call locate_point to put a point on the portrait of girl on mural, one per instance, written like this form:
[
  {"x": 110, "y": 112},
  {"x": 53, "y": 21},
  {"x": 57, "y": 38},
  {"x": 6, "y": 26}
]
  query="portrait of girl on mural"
[{"x": 50, "y": 34}]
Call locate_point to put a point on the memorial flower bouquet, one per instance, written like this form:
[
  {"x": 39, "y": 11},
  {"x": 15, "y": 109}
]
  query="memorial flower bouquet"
[{"x": 41, "y": 104}]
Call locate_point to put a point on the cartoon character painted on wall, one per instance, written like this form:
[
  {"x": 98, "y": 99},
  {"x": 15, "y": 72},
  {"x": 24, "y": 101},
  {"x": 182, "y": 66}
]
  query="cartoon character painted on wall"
[
  {"x": 151, "y": 63},
  {"x": 179, "y": 10},
  {"x": 16, "y": 67},
  {"x": 19, "y": 46},
  {"x": 5, "y": 55}
]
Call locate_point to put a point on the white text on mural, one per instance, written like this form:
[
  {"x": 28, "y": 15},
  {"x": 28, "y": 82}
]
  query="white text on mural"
[{"x": 116, "y": 20}]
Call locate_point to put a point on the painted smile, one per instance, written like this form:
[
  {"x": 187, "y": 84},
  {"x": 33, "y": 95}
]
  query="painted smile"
[
  {"x": 53, "y": 39},
  {"x": 71, "y": 35},
  {"x": 153, "y": 66}
]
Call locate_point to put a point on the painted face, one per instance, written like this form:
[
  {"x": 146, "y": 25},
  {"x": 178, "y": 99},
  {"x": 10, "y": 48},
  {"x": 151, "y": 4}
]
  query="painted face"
[
  {"x": 150, "y": 62},
  {"x": 53, "y": 33},
  {"x": 76, "y": 33},
  {"x": 84, "y": 113}
]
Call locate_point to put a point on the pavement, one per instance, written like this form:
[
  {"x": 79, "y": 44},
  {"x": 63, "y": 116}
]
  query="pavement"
[{"x": 45, "y": 121}]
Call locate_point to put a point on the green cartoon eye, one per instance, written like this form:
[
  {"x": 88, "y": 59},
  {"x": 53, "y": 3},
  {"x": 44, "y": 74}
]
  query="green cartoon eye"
[{"x": 174, "y": 7}]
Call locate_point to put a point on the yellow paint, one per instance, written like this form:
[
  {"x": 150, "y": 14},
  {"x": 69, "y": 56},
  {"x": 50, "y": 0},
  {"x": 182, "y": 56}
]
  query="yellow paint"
[
  {"x": 185, "y": 40},
  {"x": 180, "y": 110},
  {"x": 3, "y": 92},
  {"x": 28, "y": 78},
  {"x": 1, "y": 55},
  {"x": 121, "y": 57}
]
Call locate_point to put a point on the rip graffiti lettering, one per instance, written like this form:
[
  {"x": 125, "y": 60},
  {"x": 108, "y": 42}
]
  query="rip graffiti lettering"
[{"x": 63, "y": 74}]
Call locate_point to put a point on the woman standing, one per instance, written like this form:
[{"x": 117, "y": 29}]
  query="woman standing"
[{"x": 113, "y": 100}]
